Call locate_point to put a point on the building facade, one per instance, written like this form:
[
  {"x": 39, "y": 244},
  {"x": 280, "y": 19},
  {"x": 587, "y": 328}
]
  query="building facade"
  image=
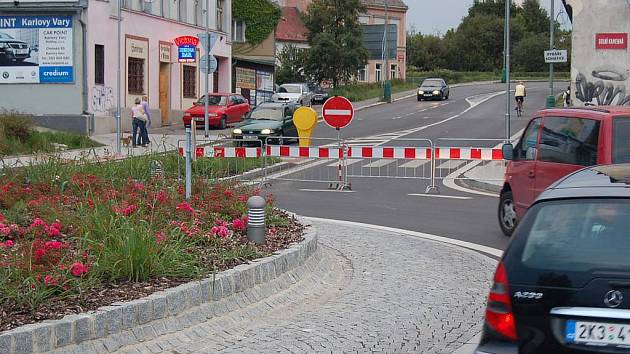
[
  {"x": 76, "y": 86},
  {"x": 600, "y": 62}
]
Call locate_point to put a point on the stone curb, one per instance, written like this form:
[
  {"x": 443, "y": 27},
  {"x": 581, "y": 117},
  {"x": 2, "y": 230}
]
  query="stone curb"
[{"x": 118, "y": 317}]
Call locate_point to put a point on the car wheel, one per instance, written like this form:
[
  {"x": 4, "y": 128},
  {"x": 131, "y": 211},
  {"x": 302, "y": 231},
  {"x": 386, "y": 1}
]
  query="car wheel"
[
  {"x": 419, "y": 99},
  {"x": 507, "y": 213},
  {"x": 223, "y": 123}
]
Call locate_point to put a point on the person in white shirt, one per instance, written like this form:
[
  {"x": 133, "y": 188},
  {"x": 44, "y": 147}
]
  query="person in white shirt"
[
  {"x": 566, "y": 97},
  {"x": 139, "y": 121}
]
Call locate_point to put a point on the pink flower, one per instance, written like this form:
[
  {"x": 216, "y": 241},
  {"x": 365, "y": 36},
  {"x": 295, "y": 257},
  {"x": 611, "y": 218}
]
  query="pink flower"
[
  {"x": 129, "y": 210},
  {"x": 184, "y": 206},
  {"x": 50, "y": 281},
  {"x": 55, "y": 245},
  {"x": 238, "y": 225},
  {"x": 220, "y": 231},
  {"x": 38, "y": 222},
  {"x": 56, "y": 225},
  {"x": 9, "y": 243},
  {"x": 78, "y": 269},
  {"x": 159, "y": 237},
  {"x": 39, "y": 253},
  {"x": 138, "y": 186},
  {"x": 53, "y": 231},
  {"x": 1, "y": 218},
  {"x": 4, "y": 230},
  {"x": 162, "y": 196}
]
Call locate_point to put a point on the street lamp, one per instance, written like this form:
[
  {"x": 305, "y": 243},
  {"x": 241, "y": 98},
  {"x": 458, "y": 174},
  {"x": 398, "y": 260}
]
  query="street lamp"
[
  {"x": 508, "y": 98},
  {"x": 387, "y": 86},
  {"x": 118, "y": 81},
  {"x": 551, "y": 99}
]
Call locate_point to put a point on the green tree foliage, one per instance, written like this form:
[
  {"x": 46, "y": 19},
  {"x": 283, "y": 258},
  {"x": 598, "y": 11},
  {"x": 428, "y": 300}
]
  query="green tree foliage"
[
  {"x": 336, "y": 40},
  {"x": 260, "y": 17},
  {"x": 292, "y": 62},
  {"x": 477, "y": 43}
]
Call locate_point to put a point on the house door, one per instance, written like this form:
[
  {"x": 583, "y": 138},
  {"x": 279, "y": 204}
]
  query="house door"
[
  {"x": 165, "y": 99},
  {"x": 215, "y": 81}
]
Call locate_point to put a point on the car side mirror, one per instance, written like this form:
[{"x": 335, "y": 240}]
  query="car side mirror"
[{"x": 508, "y": 151}]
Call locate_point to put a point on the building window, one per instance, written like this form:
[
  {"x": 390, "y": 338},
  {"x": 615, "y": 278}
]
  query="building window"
[
  {"x": 190, "y": 81},
  {"x": 198, "y": 13},
  {"x": 135, "y": 76},
  {"x": 99, "y": 64},
  {"x": 379, "y": 70},
  {"x": 182, "y": 11},
  {"x": 220, "y": 7},
  {"x": 238, "y": 31},
  {"x": 393, "y": 71},
  {"x": 363, "y": 74},
  {"x": 364, "y": 19}
]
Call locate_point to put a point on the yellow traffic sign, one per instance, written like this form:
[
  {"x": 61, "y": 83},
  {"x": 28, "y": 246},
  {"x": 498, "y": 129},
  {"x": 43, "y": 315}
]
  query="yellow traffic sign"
[{"x": 305, "y": 120}]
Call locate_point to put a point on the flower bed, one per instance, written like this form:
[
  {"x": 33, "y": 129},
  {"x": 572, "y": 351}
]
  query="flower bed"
[{"x": 76, "y": 238}]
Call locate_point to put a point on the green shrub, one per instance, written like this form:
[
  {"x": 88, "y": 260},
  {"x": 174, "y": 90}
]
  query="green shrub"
[{"x": 17, "y": 126}]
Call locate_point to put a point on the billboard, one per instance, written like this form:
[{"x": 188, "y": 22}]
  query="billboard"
[{"x": 36, "y": 49}]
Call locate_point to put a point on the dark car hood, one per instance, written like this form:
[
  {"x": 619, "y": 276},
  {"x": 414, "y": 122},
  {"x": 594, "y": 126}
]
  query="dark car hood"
[
  {"x": 430, "y": 88},
  {"x": 256, "y": 125}
]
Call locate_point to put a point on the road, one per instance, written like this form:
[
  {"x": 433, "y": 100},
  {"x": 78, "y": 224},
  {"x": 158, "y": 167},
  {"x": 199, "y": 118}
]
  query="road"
[{"x": 471, "y": 112}]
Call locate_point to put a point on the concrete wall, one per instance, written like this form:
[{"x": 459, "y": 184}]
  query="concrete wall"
[
  {"x": 49, "y": 99},
  {"x": 599, "y": 76}
]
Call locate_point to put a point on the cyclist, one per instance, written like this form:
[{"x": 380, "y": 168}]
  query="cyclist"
[{"x": 520, "y": 94}]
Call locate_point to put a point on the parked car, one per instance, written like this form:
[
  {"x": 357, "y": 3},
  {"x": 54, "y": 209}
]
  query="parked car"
[
  {"x": 296, "y": 93},
  {"x": 270, "y": 119},
  {"x": 13, "y": 50},
  {"x": 320, "y": 95},
  {"x": 223, "y": 109},
  {"x": 555, "y": 143},
  {"x": 563, "y": 285},
  {"x": 433, "y": 89}
]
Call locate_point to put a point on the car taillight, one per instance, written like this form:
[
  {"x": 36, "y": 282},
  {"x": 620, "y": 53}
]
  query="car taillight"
[{"x": 499, "y": 314}]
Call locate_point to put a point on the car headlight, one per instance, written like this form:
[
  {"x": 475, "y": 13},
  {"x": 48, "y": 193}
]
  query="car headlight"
[
  {"x": 266, "y": 131},
  {"x": 420, "y": 92},
  {"x": 436, "y": 92},
  {"x": 3, "y": 45},
  {"x": 237, "y": 131}
]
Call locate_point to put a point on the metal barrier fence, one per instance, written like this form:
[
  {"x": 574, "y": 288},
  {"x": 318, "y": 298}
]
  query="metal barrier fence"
[{"x": 463, "y": 159}]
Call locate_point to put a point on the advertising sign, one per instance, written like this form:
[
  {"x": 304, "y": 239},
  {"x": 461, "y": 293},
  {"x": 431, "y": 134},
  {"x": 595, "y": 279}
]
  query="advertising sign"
[
  {"x": 187, "y": 49},
  {"x": 245, "y": 78},
  {"x": 611, "y": 41},
  {"x": 36, "y": 49}
]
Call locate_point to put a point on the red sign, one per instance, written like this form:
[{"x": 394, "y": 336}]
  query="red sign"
[
  {"x": 186, "y": 40},
  {"x": 611, "y": 41},
  {"x": 338, "y": 112}
]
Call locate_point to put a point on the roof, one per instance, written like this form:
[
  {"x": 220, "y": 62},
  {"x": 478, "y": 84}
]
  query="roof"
[
  {"x": 381, "y": 3},
  {"x": 592, "y": 182},
  {"x": 601, "y": 110},
  {"x": 291, "y": 28}
]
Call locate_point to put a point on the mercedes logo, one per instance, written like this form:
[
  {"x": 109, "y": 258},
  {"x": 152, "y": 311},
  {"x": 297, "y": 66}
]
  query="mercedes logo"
[
  {"x": 5, "y": 75},
  {"x": 613, "y": 298}
]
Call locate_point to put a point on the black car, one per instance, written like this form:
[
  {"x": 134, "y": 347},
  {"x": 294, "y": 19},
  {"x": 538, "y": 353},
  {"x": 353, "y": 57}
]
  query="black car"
[
  {"x": 268, "y": 122},
  {"x": 563, "y": 284},
  {"x": 433, "y": 89},
  {"x": 320, "y": 95}
]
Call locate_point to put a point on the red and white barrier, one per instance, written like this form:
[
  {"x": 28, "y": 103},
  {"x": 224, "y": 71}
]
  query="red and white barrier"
[
  {"x": 483, "y": 154},
  {"x": 220, "y": 151},
  {"x": 379, "y": 152},
  {"x": 304, "y": 152}
]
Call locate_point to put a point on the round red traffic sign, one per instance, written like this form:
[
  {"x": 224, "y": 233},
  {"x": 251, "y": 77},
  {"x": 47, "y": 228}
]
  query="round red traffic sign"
[{"x": 338, "y": 112}]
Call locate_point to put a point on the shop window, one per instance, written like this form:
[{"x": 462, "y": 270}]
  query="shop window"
[
  {"x": 238, "y": 31},
  {"x": 220, "y": 7},
  {"x": 99, "y": 64},
  {"x": 135, "y": 76},
  {"x": 190, "y": 81}
]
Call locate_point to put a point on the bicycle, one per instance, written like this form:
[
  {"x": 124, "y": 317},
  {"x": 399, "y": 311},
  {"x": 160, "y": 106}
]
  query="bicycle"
[{"x": 519, "y": 107}]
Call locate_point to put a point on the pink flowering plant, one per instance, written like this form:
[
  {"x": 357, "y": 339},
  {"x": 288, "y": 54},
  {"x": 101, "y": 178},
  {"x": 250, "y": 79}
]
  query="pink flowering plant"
[{"x": 67, "y": 230}]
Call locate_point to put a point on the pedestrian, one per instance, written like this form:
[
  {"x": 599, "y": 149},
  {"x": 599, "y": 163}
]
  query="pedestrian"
[
  {"x": 138, "y": 122},
  {"x": 566, "y": 97},
  {"x": 145, "y": 105}
]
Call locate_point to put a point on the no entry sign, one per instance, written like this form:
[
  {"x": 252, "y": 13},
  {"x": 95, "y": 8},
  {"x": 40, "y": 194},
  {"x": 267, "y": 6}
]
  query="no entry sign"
[{"x": 338, "y": 112}]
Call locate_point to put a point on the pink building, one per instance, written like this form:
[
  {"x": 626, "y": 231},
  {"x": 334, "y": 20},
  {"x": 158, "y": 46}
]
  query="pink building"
[{"x": 149, "y": 57}]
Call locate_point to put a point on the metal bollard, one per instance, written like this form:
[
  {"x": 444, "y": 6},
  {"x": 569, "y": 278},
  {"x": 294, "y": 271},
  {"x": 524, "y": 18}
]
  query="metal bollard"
[{"x": 256, "y": 224}]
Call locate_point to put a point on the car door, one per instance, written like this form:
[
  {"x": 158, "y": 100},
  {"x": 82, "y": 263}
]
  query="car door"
[
  {"x": 232, "y": 109},
  {"x": 566, "y": 145},
  {"x": 521, "y": 174},
  {"x": 244, "y": 107}
]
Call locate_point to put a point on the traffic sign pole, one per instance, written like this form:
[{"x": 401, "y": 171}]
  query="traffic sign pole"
[
  {"x": 551, "y": 100},
  {"x": 338, "y": 113}
]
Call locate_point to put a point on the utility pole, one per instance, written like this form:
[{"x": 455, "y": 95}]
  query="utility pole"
[
  {"x": 508, "y": 96},
  {"x": 207, "y": 50},
  {"x": 551, "y": 100},
  {"x": 387, "y": 88},
  {"x": 118, "y": 82}
]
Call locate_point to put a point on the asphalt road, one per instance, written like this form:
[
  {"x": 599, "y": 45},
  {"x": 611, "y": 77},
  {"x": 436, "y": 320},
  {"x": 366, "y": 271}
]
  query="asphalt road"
[{"x": 473, "y": 112}]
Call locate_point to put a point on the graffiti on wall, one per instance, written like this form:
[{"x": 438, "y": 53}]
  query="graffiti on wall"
[
  {"x": 608, "y": 87},
  {"x": 102, "y": 99}
]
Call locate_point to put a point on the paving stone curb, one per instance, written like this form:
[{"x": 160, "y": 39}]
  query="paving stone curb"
[{"x": 118, "y": 318}]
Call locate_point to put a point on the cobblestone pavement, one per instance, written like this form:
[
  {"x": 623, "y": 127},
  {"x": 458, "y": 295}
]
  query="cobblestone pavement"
[{"x": 370, "y": 292}]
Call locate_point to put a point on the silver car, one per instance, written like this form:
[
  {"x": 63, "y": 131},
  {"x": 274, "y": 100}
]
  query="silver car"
[
  {"x": 13, "y": 50},
  {"x": 296, "y": 93}
]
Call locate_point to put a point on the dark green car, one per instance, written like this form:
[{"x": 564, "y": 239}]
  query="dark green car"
[{"x": 272, "y": 119}]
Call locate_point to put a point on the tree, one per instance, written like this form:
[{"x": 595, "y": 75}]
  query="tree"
[
  {"x": 292, "y": 62},
  {"x": 336, "y": 40},
  {"x": 536, "y": 18},
  {"x": 528, "y": 53}
]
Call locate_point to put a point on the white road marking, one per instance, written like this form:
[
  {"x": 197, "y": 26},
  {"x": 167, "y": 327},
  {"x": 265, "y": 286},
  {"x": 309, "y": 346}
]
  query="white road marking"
[
  {"x": 414, "y": 164},
  {"x": 469, "y": 245},
  {"x": 439, "y": 196},
  {"x": 378, "y": 163},
  {"x": 450, "y": 164},
  {"x": 325, "y": 190},
  {"x": 350, "y": 162}
]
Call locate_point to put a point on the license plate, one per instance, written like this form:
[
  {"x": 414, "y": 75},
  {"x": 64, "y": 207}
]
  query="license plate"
[
  {"x": 250, "y": 137},
  {"x": 428, "y": 95},
  {"x": 597, "y": 333},
  {"x": 21, "y": 51}
]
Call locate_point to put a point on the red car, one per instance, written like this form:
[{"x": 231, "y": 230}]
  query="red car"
[
  {"x": 555, "y": 143},
  {"x": 223, "y": 109}
]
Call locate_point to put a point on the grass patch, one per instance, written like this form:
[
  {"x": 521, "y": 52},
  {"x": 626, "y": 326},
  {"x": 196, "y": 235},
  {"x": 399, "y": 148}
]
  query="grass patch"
[
  {"x": 362, "y": 92},
  {"x": 459, "y": 77},
  {"x": 18, "y": 135}
]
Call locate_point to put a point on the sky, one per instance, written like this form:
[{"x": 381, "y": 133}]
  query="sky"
[{"x": 429, "y": 16}]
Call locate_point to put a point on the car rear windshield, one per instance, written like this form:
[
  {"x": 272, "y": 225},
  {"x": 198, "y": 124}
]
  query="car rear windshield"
[
  {"x": 290, "y": 89},
  {"x": 214, "y": 100},
  {"x": 574, "y": 237},
  {"x": 621, "y": 141}
]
